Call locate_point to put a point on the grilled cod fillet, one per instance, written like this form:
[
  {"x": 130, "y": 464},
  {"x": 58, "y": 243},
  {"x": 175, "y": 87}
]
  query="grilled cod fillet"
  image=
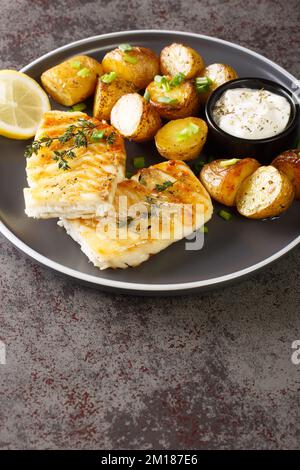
[
  {"x": 88, "y": 186},
  {"x": 148, "y": 187}
]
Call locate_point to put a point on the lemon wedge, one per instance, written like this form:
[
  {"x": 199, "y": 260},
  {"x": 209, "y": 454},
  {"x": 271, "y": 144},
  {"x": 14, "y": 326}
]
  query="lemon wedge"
[{"x": 22, "y": 104}]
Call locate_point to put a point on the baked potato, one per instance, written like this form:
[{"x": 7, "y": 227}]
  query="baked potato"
[
  {"x": 265, "y": 193},
  {"x": 181, "y": 139},
  {"x": 73, "y": 80},
  {"x": 173, "y": 102},
  {"x": 289, "y": 163},
  {"x": 222, "y": 178},
  {"x": 135, "y": 118},
  {"x": 138, "y": 65},
  {"x": 178, "y": 58},
  {"x": 109, "y": 89},
  {"x": 217, "y": 74}
]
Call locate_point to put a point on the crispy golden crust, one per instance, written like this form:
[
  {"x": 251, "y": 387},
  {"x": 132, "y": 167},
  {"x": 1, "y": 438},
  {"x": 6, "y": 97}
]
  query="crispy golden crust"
[
  {"x": 222, "y": 182},
  {"x": 187, "y": 100},
  {"x": 170, "y": 147},
  {"x": 219, "y": 74},
  {"x": 134, "y": 108},
  {"x": 180, "y": 58},
  {"x": 143, "y": 188},
  {"x": 65, "y": 86},
  {"x": 289, "y": 163},
  {"x": 89, "y": 183},
  {"x": 265, "y": 193},
  {"x": 107, "y": 94},
  {"x": 140, "y": 73}
]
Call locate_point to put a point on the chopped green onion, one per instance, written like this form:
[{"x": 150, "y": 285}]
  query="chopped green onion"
[
  {"x": 199, "y": 165},
  {"x": 75, "y": 64},
  {"x": 167, "y": 99},
  {"x": 298, "y": 144},
  {"x": 108, "y": 77},
  {"x": 139, "y": 162},
  {"x": 129, "y": 174},
  {"x": 97, "y": 135},
  {"x": 125, "y": 47},
  {"x": 225, "y": 215},
  {"x": 147, "y": 95},
  {"x": 204, "y": 229},
  {"x": 177, "y": 80},
  {"x": 187, "y": 132},
  {"x": 85, "y": 72},
  {"x": 130, "y": 59},
  {"x": 79, "y": 107},
  {"x": 203, "y": 84},
  {"x": 232, "y": 161}
]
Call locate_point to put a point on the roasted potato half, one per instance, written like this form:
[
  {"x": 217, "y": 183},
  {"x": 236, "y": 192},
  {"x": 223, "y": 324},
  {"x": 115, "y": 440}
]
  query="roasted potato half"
[
  {"x": 108, "y": 93},
  {"x": 289, "y": 163},
  {"x": 178, "y": 102},
  {"x": 265, "y": 193},
  {"x": 138, "y": 65},
  {"x": 218, "y": 74},
  {"x": 222, "y": 178},
  {"x": 73, "y": 80},
  {"x": 135, "y": 118},
  {"x": 178, "y": 58},
  {"x": 181, "y": 139}
]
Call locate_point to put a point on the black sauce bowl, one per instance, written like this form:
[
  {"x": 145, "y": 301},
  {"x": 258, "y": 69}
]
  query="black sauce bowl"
[{"x": 263, "y": 150}]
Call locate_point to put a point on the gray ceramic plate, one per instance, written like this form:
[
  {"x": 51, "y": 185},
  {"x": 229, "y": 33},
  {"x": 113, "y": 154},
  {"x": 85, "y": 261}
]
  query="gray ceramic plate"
[{"x": 231, "y": 250}]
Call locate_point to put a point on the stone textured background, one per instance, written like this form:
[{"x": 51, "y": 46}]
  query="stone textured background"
[{"x": 87, "y": 369}]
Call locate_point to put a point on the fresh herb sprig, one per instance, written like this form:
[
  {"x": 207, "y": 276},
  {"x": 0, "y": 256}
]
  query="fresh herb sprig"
[{"x": 81, "y": 134}]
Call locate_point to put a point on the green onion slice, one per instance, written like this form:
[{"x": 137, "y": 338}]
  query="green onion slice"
[
  {"x": 75, "y": 64},
  {"x": 187, "y": 132},
  {"x": 129, "y": 174},
  {"x": 225, "y": 214},
  {"x": 232, "y": 161},
  {"x": 130, "y": 59},
  {"x": 139, "y": 162},
  {"x": 97, "y": 135},
  {"x": 147, "y": 95},
  {"x": 204, "y": 229},
  {"x": 162, "y": 82},
  {"x": 108, "y": 77},
  {"x": 85, "y": 72},
  {"x": 203, "y": 84},
  {"x": 79, "y": 107},
  {"x": 199, "y": 165},
  {"x": 125, "y": 47}
]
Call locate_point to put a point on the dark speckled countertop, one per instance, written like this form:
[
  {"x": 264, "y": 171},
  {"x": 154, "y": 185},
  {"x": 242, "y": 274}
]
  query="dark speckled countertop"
[{"x": 87, "y": 369}]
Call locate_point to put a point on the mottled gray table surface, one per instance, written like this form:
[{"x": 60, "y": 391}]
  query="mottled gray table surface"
[{"x": 87, "y": 369}]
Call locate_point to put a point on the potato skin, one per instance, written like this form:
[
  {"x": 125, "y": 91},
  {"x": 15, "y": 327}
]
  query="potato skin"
[
  {"x": 149, "y": 120},
  {"x": 186, "y": 94},
  {"x": 65, "y": 86},
  {"x": 107, "y": 94},
  {"x": 141, "y": 73},
  {"x": 219, "y": 74},
  {"x": 170, "y": 148},
  {"x": 288, "y": 163},
  {"x": 278, "y": 205},
  {"x": 180, "y": 58},
  {"x": 222, "y": 182}
]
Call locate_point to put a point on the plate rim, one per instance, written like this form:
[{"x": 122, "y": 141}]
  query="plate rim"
[{"x": 132, "y": 286}]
